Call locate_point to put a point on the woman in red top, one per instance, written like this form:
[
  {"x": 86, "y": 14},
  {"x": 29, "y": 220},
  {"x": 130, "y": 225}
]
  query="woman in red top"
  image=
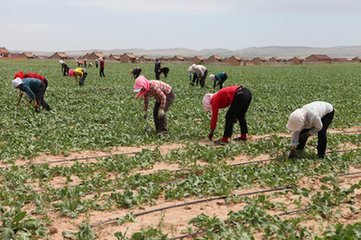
[
  {"x": 32, "y": 75},
  {"x": 163, "y": 95},
  {"x": 239, "y": 99}
]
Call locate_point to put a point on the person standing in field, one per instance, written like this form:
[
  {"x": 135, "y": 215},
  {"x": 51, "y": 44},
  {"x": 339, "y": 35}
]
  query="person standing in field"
[
  {"x": 101, "y": 65},
  {"x": 199, "y": 74},
  {"x": 157, "y": 67},
  {"x": 34, "y": 89},
  {"x": 80, "y": 73},
  {"x": 238, "y": 98},
  {"x": 218, "y": 79},
  {"x": 163, "y": 95},
  {"x": 304, "y": 122}
]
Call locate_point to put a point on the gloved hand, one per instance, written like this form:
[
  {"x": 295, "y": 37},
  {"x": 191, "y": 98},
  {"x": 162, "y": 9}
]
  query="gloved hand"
[
  {"x": 210, "y": 135},
  {"x": 160, "y": 113}
]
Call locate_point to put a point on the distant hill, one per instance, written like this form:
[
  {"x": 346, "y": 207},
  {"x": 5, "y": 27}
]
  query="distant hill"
[{"x": 269, "y": 51}]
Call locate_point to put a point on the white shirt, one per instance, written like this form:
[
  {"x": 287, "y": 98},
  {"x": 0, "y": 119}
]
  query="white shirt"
[{"x": 315, "y": 111}]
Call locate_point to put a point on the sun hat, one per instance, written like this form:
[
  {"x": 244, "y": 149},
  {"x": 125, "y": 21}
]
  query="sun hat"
[
  {"x": 296, "y": 120},
  {"x": 16, "y": 82},
  {"x": 207, "y": 102}
]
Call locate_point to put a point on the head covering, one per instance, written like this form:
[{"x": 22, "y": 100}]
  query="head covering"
[
  {"x": 71, "y": 72},
  {"x": 296, "y": 120},
  {"x": 212, "y": 77},
  {"x": 207, "y": 102},
  {"x": 19, "y": 75},
  {"x": 16, "y": 82},
  {"x": 141, "y": 86}
]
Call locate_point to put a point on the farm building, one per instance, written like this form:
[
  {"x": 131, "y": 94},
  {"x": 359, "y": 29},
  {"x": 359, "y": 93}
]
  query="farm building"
[
  {"x": 24, "y": 55},
  {"x": 114, "y": 57},
  {"x": 275, "y": 60},
  {"x": 59, "y": 55},
  {"x": 356, "y": 59},
  {"x": 214, "y": 59},
  {"x": 177, "y": 59},
  {"x": 340, "y": 60},
  {"x": 296, "y": 60},
  {"x": 197, "y": 60},
  {"x": 236, "y": 61},
  {"x": 143, "y": 59},
  {"x": 257, "y": 61},
  {"x": 4, "y": 53},
  {"x": 93, "y": 55},
  {"x": 127, "y": 58},
  {"x": 318, "y": 58}
]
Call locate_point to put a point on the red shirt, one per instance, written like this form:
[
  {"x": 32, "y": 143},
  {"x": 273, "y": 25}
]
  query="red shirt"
[
  {"x": 221, "y": 99},
  {"x": 34, "y": 75}
]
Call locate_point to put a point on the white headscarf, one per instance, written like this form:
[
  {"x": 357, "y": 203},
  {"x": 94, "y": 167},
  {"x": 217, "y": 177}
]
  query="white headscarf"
[
  {"x": 16, "y": 82},
  {"x": 212, "y": 77},
  {"x": 296, "y": 120},
  {"x": 207, "y": 102}
]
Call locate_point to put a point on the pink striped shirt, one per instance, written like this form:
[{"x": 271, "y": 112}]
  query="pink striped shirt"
[{"x": 159, "y": 91}]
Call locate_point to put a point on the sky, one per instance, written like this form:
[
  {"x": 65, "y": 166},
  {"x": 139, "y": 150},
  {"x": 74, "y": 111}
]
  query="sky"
[{"x": 70, "y": 25}]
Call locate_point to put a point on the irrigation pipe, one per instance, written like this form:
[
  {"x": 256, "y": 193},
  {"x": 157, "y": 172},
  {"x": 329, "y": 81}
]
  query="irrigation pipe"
[
  {"x": 277, "y": 189},
  {"x": 114, "y": 220}
]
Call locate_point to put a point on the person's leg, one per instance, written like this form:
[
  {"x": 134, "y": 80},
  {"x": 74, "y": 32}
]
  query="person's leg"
[
  {"x": 155, "y": 116},
  {"x": 163, "y": 127},
  {"x": 322, "y": 137},
  {"x": 203, "y": 78},
  {"x": 302, "y": 139},
  {"x": 245, "y": 98}
]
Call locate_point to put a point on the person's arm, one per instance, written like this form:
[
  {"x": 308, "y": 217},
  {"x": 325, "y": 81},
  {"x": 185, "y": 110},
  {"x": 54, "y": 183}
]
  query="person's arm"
[
  {"x": 18, "y": 102},
  {"x": 146, "y": 103},
  {"x": 317, "y": 125},
  {"x": 28, "y": 91},
  {"x": 295, "y": 136}
]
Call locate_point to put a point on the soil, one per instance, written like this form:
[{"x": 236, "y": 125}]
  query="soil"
[{"x": 175, "y": 221}]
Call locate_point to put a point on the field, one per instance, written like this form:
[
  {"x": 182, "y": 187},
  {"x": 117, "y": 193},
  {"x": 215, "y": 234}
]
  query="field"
[{"x": 88, "y": 170}]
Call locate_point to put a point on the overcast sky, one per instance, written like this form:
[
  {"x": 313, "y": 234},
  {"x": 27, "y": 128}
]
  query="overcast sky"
[{"x": 64, "y": 25}]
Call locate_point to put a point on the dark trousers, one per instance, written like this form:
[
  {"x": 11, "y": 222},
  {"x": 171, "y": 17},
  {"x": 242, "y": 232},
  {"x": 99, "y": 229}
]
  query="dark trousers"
[
  {"x": 321, "y": 135},
  {"x": 161, "y": 123},
  {"x": 39, "y": 95},
  {"x": 195, "y": 79},
  {"x": 101, "y": 72},
  {"x": 82, "y": 79},
  {"x": 237, "y": 111},
  {"x": 202, "y": 81},
  {"x": 65, "y": 70},
  {"x": 157, "y": 75}
]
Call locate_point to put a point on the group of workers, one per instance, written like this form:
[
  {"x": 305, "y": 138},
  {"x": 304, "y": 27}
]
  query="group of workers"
[{"x": 311, "y": 119}]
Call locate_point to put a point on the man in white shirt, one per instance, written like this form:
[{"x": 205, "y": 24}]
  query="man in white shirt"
[{"x": 304, "y": 122}]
